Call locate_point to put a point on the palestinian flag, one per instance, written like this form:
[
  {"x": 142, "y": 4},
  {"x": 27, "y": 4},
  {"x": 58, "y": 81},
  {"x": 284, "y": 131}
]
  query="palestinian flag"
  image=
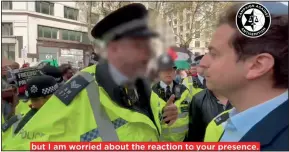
[
  {"x": 173, "y": 54},
  {"x": 183, "y": 58}
]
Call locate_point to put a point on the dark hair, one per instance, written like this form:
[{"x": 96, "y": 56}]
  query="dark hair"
[
  {"x": 274, "y": 42},
  {"x": 64, "y": 68}
]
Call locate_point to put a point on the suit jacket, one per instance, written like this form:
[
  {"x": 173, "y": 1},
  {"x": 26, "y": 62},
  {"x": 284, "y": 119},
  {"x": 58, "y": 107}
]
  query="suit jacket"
[{"x": 272, "y": 131}]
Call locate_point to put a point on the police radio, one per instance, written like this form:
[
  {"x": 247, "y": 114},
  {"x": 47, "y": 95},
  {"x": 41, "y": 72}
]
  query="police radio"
[{"x": 177, "y": 91}]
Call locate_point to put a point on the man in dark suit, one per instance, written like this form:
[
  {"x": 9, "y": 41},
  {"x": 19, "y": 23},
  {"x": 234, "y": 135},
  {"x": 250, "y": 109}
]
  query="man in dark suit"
[{"x": 253, "y": 74}]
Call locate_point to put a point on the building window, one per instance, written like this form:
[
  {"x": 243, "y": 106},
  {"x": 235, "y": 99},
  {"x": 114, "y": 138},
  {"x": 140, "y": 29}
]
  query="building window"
[
  {"x": 70, "y": 13},
  {"x": 47, "y": 32},
  {"x": 207, "y": 44},
  {"x": 71, "y": 35},
  {"x": 7, "y": 29},
  {"x": 45, "y": 7},
  {"x": 170, "y": 23},
  {"x": 188, "y": 36},
  {"x": 208, "y": 23},
  {"x": 8, "y": 51},
  {"x": 94, "y": 18},
  {"x": 188, "y": 26},
  {"x": 197, "y": 34},
  {"x": 175, "y": 21},
  {"x": 197, "y": 25},
  {"x": 207, "y": 34},
  {"x": 175, "y": 30},
  {"x": 7, "y": 5},
  {"x": 181, "y": 28},
  {"x": 197, "y": 44},
  {"x": 181, "y": 17}
]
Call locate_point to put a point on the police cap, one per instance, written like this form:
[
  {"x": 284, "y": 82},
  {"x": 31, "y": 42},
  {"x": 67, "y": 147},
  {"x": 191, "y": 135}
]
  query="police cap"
[
  {"x": 128, "y": 21},
  {"x": 165, "y": 62},
  {"x": 197, "y": 60},
  {"x": 52, "y": 71},
  {"x": 41, "y": 86}
]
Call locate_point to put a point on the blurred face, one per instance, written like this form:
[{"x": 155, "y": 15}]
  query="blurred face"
[
  {"x": 69, "y": 74},
  {"x": 183, "y": 73},
  {"x": 193, "y": 70},
  {"x": 220, "y": 66},
  {"x": 37, "y": 103},
  {"x": 131, "y": 55},
  {"x": 167, "y": 76}
]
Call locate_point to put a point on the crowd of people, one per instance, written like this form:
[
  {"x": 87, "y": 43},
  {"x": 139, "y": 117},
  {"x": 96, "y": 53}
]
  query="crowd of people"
[{"x": 236, "y": 92}]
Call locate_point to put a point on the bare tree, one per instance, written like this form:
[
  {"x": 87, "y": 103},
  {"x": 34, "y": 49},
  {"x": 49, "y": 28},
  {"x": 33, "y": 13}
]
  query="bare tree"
[
  {"x": 218, "y": 8},
  {"x": 94, "y": 11},
  {"x": 198, "y": 17}
]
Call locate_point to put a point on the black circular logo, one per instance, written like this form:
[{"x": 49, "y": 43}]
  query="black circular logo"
[{"x": 253, "y": 20}]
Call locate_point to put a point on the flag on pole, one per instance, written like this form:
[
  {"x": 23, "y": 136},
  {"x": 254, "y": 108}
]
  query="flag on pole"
[{"x": 173, "y": 54}]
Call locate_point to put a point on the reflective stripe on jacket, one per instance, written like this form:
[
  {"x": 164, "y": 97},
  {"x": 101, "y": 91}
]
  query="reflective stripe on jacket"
[{"x": 22, "y": 107}]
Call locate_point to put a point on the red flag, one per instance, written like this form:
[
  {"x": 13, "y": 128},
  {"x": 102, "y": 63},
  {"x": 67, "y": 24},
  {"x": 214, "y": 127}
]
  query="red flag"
[{"x": 173, "y": 54}]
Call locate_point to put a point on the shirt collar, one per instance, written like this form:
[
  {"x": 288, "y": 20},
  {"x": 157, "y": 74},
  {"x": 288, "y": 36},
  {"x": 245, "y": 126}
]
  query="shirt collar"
[
  {"x": 117, "y": 77},
  {"x": 201, "y": 78},
  {"x": 164, "y": 85},
  {"x": 245, "y": 120}
]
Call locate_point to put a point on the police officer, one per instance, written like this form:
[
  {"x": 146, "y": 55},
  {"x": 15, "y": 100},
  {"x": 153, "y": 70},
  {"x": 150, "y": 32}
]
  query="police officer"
[
  {"x": 93, "y": 105},
  {"x": 54, "y": 72},
  {"x": 167, "y": 90},
  {"x": 195, "y": 83},
  {"x": 39, "y": 90},
  {"x": 94, "y": 58},
  {"x": 23, "y": 105}
]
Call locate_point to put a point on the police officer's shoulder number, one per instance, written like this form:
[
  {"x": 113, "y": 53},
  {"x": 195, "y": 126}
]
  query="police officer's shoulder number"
[
  {"x": 69, "y": 90},
  {"x": 9, "y": 123},
  {"x": 222, "y": 118}
]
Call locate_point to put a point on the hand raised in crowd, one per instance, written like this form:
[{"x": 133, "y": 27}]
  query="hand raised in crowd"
[{"x": 170, "y": 111}]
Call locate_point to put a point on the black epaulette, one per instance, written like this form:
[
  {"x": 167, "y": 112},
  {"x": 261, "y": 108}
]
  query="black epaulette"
[
  {"x": 196, "y": 82},
  {"x": 71, "y": 89},
  {"x": 10, "y": 122},
  {"x": 222, "y": 118}
]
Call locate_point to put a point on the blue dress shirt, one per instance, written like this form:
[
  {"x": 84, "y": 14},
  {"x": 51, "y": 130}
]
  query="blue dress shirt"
[{"x": 240, "y": 123}]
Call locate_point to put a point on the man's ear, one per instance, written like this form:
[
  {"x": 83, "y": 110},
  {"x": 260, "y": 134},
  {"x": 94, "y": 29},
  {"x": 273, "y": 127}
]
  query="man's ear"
[{"x": 259, "y": 65}]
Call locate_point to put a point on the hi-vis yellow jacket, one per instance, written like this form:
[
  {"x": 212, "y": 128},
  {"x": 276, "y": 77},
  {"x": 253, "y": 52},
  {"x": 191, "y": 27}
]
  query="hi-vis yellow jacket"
[
  {"x": 22, "y": 107},
  {"x": 192, "y": 86},
  {"x": 8, "y": 128},
  {"x": 177, "y": 131},
  {"x": 214, "y": 129},
  {"x": 81, "y": 110}
]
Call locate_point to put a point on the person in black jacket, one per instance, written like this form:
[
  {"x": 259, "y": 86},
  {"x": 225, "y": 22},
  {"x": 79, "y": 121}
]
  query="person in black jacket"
[{"x": 204, "y": 106}]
